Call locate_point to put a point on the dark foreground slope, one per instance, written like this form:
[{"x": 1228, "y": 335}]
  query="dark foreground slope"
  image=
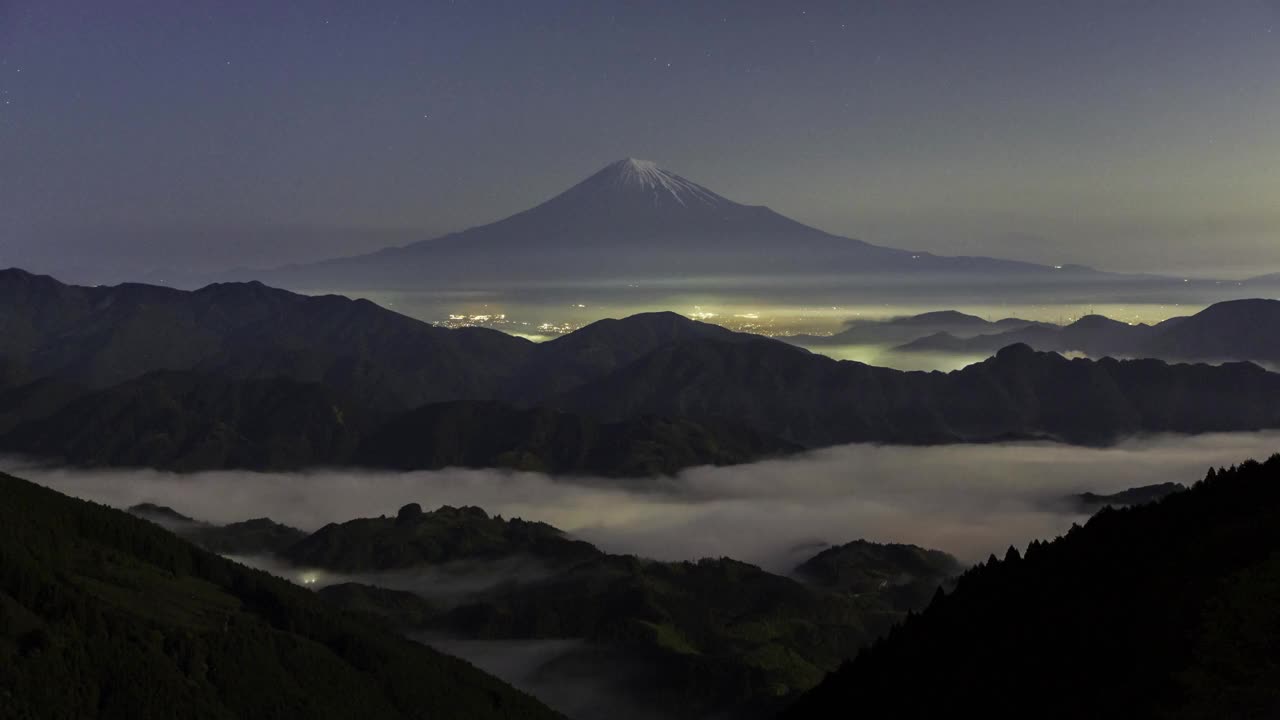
[
  {"x": 106, "y": 615},
  {"x": 1164, "y": 610}
]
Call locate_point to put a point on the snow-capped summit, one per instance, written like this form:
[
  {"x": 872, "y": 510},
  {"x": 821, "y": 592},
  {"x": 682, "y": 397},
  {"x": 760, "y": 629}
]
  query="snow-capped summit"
[
  {"x": 658, "y": 185},
  {"x": 629, "y": 219},
  {"x": 646, "y": 175}
]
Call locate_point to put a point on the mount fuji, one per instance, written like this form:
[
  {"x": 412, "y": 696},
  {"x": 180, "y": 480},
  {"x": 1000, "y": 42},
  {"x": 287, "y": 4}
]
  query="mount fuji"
[{"x": 633, "y": 219}]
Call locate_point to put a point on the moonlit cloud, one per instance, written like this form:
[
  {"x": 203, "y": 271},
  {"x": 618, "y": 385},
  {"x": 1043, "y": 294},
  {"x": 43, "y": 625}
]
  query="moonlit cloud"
[{"x": 970, "y": 500}]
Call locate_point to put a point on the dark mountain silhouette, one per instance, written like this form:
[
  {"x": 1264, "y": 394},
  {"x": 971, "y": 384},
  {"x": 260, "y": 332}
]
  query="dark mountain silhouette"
[
  {"x": 267, "y": 379},
  {"x": 902, "y": 571},
  {"x": 603, "y": 347},
  {"x": 106, "y": 615},
  {"x": 162, "y": 515},
  {"x": 913, "y": 327},
  {"x": 259, "y": 536},
  {"x": 1093, "y": 335},
  {"x": 101, "y": 336},
  {"x": 1232, "y": 330},
  {"x": 414, "y": 538},
  {"x": 1168, "y": 610},
  {"x": 1090, "y": 502},
  {"x": 815, "y": 401},
  {"x": 630, "y": 219}
]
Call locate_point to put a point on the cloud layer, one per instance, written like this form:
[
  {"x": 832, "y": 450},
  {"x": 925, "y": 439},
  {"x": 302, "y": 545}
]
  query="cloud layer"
[{"x": 970, "y": 500}]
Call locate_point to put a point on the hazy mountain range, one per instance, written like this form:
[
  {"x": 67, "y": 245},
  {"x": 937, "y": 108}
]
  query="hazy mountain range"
[
  {"x": 892, "y": 331},
  {"x": 242, "y": 375},
  {"x": 1232, "y": 330}
]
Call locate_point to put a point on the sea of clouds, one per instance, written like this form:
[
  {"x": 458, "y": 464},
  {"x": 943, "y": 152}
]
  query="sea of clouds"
[{"x": 970, "y": 500}]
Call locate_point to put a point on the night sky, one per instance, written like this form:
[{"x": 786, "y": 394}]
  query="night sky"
[{"x": 1124, "y": 135}]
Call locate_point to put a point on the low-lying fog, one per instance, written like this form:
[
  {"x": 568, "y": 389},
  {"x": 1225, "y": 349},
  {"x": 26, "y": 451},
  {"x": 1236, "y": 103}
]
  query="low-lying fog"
[{"x": 970, "y": 500}]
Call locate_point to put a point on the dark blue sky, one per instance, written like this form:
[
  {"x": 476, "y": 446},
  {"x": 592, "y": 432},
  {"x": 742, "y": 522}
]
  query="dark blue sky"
[{"x": 1121, "y": 134}]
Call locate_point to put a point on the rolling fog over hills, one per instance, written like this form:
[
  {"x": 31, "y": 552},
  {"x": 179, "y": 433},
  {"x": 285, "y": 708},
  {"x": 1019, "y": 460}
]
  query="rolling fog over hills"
[
  {"x": 507, "y": 615},
  {"x": 970, "y": 500}
]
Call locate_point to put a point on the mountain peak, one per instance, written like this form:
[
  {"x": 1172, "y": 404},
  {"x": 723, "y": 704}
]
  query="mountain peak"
[
  {"x": 645, "y": 176},
  {"x": 1097, "y": 322},
  {"x": 636, "y": 165}
]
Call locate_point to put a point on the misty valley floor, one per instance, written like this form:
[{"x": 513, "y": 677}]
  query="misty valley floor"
[{"x": 970, "y": 500}]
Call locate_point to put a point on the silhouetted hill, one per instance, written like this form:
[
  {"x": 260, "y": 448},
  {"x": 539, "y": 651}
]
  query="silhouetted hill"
[
  {"x": 601, "y": 348},
  {"x": 1092, "y": 335},
  {"x": 259, "y": 536},
  {"x": 414, "y": 538},
  {"x": 681, "y": 639},
  {"x": 286, "y": 381},
  {"x": 162, "y": 515},
  {"x": 109, "y": 616},
  {"x": 814, "y": 401},
  {"x": 905, "y": 573},
  {"x": 906, "y": 329},
  {"x": 101, "y": 336},
  {"x": 1090, "y": 502},
  {"x": 1233, "y": 330},
  {"x": 1168, "y": 609}
]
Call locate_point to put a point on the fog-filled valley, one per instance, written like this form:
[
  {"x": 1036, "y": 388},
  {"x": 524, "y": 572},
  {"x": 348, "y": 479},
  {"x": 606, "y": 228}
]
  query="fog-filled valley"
[{"x": 969, "y": 500}]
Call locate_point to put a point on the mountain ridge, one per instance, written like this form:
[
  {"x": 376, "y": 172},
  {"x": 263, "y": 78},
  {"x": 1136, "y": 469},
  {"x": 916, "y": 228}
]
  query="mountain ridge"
[
  {"x": 202, "y": 373},
  {"x": 1231, "y": 330}
]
